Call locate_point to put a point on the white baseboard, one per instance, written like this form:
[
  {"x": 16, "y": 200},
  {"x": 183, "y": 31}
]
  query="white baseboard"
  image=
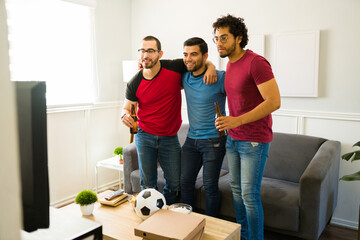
[{"x": 344, "y": 223}]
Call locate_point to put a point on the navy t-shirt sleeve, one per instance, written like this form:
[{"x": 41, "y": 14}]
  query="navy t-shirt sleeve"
[
  {"x": 132, "y": 86},
  {"x": 176, "y": 65}
]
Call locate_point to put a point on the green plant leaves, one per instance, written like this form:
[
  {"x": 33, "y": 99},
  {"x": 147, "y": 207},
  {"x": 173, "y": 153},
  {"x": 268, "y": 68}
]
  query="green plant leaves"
[
  {"x": 355, "y": 155},
  {"x": 357, "y": 144},
  {"x": 86, "y": 197},
  {"x": 118, "y": 151},
  {"x": 351, "y": 177},
  {"x": 348, "y": 156}
]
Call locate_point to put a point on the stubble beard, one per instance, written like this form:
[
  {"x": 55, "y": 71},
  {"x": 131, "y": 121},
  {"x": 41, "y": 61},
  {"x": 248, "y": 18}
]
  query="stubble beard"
[
  {"x": 228, "y": 52},
  {"x": 194, "y": 68},
  {"x": 151, "y": 64},
  {"x": 197, "y": 66}
]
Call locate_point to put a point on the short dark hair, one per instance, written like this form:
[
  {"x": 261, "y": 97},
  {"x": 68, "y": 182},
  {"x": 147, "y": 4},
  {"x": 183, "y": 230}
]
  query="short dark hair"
[
  {"x": 197, "y": 41},
  {"x": 236, "y": 26},
  {"x": 152, "y": 38}
]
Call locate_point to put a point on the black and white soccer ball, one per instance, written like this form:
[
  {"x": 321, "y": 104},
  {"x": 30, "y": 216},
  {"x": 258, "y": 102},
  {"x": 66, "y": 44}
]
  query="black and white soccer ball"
[{"x": 149, "y": 201}]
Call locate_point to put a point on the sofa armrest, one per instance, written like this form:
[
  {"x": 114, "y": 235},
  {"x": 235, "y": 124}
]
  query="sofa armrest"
[
  {"x": 318, "y": 189},
  {"x": 130, "y": 164}
]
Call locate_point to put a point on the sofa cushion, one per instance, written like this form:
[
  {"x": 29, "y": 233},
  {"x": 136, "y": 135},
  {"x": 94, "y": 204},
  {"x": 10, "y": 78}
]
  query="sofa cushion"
[
  {"x": 227, "y": 209},
  {"x": 280, "y": 200},
  {"x": 135, "y": 180},
  {"x": 289, "y": 155},
  {"x": 225, "y": 164}
]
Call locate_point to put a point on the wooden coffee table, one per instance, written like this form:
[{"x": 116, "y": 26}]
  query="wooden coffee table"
[{"x": 119, "y": 222}]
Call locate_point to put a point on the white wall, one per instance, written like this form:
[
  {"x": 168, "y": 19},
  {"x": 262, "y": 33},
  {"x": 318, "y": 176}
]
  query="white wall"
[
  {"x": 77, "y": 139},
  {"x": 337, "y": 20},
  {"x": 9, "y": 170},
  {"x": 335, "y": 114},
  {"x": 113, "y": 40}
]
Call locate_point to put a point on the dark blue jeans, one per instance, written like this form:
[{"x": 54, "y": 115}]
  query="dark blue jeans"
[
  {"x": 166, "y": 150},
  {"x": 208, "y": 153}
]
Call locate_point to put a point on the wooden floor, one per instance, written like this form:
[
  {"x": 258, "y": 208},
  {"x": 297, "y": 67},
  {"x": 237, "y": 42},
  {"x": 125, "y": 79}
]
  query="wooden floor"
[{"x": 331, "y": 232}]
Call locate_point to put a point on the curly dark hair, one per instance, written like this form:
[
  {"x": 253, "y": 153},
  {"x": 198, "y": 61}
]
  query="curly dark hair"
[{"x": 236, "y": 26}]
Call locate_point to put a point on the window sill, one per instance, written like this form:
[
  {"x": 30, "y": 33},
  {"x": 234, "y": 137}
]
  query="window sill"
[{"x": 82, "y": 106}]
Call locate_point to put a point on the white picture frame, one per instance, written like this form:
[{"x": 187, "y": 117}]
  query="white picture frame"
[{"x": 297, "y": 63}]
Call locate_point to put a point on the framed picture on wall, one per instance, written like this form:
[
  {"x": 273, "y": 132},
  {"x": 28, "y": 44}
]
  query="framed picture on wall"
[{"x": 297, "y": 63}]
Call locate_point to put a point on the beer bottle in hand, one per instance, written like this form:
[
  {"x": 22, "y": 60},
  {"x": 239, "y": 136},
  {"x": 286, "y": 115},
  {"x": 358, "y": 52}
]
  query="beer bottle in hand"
[
  {"x": 133, "y": 129},
  {"x": 219, "y": 114}
]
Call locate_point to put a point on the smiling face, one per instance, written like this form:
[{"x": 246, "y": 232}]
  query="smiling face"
[
  {"x": 149, "y": 60},
  {"x": 194, "y": 59},
  {"x": 226, "y": 43}
]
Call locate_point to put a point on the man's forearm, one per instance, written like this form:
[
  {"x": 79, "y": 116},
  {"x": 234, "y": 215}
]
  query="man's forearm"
[{"x": 260, "y": 111}]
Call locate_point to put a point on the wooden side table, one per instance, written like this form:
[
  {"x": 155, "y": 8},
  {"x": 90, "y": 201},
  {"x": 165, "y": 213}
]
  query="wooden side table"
[{"x": 110, "y": 163}]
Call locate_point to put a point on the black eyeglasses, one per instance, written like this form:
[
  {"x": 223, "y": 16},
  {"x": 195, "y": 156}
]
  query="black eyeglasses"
[
  {"x": 222, "y": 38},
  {"x": 150, "y": 51}
]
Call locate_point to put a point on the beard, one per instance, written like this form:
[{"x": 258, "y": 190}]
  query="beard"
[
  {"x": 196, "y": 65},
  {"x": 151, "y": 64},
  {"x": 194, "y": 68},
  {"x": 228, "y": 51}
]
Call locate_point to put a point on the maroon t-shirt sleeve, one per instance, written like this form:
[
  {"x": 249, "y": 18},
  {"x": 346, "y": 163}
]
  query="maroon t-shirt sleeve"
[{"x": 261, "y": 70}]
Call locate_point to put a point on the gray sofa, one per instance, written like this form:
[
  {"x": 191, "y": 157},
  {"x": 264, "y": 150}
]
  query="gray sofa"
[{"x": 299, "y": 187}]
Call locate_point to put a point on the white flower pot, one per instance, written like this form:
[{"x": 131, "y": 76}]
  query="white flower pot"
[{"x": 87, "y": 209}]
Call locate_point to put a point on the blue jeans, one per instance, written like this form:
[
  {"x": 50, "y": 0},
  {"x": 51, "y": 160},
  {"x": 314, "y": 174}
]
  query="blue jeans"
[
  {"x": 246, "y": 167},
  {"x": 208, "y": 153},
  {"x": 166, "y": 150}
]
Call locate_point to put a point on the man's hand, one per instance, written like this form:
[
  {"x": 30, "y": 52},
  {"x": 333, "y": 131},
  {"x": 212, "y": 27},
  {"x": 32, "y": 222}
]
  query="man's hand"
[
  {"x": 210, "y": 76},
  {"x": 228, "y": 122},
  {"x": 127, "y": 120},
  {"x": 140, "y": 66}
]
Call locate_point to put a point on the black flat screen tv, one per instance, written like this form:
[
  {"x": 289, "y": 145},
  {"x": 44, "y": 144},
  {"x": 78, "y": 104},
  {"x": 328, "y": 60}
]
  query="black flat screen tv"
[{"x": 32, "y": 130}]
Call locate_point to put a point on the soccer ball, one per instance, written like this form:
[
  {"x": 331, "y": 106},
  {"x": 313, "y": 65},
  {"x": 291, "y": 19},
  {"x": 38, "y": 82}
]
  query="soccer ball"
[{"x": 149, "y": 201}]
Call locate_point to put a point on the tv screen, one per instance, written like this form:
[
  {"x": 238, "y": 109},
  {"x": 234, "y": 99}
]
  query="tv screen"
[{"x": 32, "y": 129}]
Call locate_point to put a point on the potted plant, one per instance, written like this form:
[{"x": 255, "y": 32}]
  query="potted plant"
[
  {"x": 118, "y": 152},
  {"x": 86, "y": 199},
  {"x": 354, "y": 155}
]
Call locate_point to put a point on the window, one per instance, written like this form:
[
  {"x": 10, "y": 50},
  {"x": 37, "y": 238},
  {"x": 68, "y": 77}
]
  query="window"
[{"x": 52, "y": 41}]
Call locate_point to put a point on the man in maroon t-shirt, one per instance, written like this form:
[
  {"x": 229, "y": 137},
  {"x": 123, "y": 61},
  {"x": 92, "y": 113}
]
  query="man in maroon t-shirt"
[
  {"x": 252, "y": 94},
  {"x": 156, "y": 92}
]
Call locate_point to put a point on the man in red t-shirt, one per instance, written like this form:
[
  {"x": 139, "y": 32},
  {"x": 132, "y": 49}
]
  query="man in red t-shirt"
[
  {"x": 156, "y": 92},
  {"x": 252, "y": 94}
]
